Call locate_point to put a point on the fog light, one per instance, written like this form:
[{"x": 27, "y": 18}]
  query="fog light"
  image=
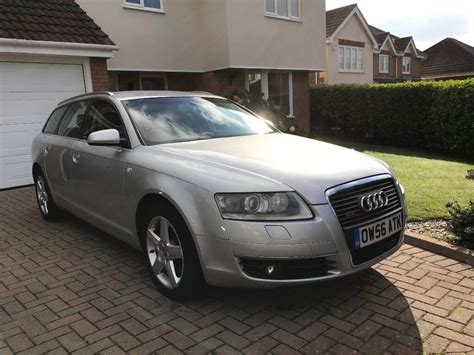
[{"x": 270, "y": 269}]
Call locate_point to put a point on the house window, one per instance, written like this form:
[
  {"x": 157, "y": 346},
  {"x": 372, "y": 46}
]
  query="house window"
[
  {"x": 351, "y": 59},
  {"x": 383, "y": 63},
  {"x": 406, "y": 65},
  {"x": 151, "y": 5},
  {"x": 153, "y": 82},
  {"x": 286, "y": 9}
]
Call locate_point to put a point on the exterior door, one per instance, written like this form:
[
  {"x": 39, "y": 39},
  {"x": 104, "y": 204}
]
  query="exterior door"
[
  {"x": 98, "y": 170},
  {"x": 57, "y": 152}
]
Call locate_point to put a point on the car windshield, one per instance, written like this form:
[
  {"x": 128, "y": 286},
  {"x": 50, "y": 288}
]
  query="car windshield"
[{"x": 179, "y": 119}]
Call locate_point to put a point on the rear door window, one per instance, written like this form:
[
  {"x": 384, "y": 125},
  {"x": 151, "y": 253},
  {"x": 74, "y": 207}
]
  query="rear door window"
[
  {"x": 72, "y": 124},
  {"x": 51, "y": 126}
]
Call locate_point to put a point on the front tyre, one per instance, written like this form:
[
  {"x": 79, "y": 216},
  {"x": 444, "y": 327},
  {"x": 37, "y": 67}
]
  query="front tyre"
[
  {"x": 48, "y": 209},
  {"x": 171, "y": 257}
]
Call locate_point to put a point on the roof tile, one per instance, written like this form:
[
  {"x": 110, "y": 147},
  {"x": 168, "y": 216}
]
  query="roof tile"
[
  {"x": 449, "y": 56},
  {"x": 49, "y": 20}
]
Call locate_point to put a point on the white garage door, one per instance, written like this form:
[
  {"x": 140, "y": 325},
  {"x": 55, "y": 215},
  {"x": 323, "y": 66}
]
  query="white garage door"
[{"x": 28, "y": 93}]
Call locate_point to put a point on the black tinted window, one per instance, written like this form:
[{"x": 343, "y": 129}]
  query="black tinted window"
[
  {"x": 103, "y": 115},
  {"x": 73, "y": 120},
  {"x": 51, "y": 126}
]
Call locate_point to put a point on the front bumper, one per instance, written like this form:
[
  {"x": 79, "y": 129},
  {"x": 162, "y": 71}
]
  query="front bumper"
[{"x": 318, "y": 238}]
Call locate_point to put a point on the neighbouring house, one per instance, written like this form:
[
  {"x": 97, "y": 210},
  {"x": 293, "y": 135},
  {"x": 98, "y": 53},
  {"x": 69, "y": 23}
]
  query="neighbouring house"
[
  {"x": 449, "y": 59},
  {"x": 221, "y": 47},
  {"x": 362, "y": 54},
  {"x": 350, "y": 45},
  {"x": 396, "y": 59},
  {"x": 49, "y": 50}
]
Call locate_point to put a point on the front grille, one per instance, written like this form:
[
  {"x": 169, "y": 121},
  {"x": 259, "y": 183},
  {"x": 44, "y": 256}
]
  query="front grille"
[
  {"x": 292, "y": 269},
  {"x": 345, "y": 202},
  {"x": 346, "y": 205}
]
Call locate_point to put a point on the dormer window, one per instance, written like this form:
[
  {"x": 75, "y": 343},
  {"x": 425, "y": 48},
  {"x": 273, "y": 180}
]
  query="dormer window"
[
  {"x": 285, "y": 9},
  {"x": 149, "y": 5},
  {"x": 406, "y": 65}
]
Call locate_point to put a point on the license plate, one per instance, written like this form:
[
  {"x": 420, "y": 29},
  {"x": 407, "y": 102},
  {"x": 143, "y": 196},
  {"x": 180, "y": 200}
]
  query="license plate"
[{"x": 372, "y": 233}]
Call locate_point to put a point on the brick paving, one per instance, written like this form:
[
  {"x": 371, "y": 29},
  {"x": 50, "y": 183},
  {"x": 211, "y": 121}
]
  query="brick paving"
[{"x": 68, "y": 288}]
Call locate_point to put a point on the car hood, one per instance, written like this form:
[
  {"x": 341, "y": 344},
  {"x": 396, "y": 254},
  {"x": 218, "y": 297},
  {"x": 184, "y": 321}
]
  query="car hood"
[{"x": 305, "y": 165}]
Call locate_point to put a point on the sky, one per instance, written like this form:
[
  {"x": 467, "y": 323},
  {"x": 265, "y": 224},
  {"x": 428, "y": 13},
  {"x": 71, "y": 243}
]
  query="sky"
[{"x": 428, "y": 21}]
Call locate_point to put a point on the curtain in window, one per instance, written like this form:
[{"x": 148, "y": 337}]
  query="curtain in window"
[
  {"x": 156, "y": 4},
  {"x": 282, "y": 7},
  {"x": 270, "y": 6}
]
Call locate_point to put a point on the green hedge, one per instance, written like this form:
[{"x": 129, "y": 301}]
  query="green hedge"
[{"x": 435, "y": 116}]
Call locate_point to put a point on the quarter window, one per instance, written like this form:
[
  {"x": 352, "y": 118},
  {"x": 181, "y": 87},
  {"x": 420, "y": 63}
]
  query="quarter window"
[
  {"x": 351, "y": 59},
  {"x": 73, "y": 121},
  {"x": 406, "y": 65},
  {"x": 383, "y": 63},
  {"x": 154, "y": 5},
  {"x": 51, "y": 126},
  {"x": 287, "y": 9}
]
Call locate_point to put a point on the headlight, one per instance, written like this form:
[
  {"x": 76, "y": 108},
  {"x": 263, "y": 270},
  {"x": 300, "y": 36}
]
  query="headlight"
[{"x": 263, "y": 206}]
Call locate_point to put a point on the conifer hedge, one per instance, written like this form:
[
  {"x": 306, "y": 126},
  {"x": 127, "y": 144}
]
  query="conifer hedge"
[{"x": 434, "y": 116}]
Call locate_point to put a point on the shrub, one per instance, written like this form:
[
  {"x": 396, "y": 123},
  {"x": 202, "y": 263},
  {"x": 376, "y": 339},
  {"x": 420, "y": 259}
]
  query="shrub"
[
  {"x": 462, "y": 222},
  {"x": 435, "y": 116}
]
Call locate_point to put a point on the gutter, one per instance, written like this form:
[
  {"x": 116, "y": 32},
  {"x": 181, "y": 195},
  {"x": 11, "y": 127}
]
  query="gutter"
[{"x": 13, "y": 45}]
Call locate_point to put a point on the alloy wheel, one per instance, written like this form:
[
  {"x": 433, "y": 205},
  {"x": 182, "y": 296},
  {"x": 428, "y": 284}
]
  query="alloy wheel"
[
  {"x": 42, "y": 195},
  {"x": 165, "y": 252}
]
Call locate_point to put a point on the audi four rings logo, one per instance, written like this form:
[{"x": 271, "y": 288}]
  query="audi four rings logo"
[{"x": 374, "y": 201}]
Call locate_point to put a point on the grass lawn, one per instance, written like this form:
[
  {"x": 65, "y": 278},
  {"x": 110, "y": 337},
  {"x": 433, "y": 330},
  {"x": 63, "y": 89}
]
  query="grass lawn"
[{"x": 430, "y": 180}]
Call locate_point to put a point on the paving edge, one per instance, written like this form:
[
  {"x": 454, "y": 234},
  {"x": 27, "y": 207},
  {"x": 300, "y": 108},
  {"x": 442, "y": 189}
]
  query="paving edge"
[{"x": 439, "y": 247}]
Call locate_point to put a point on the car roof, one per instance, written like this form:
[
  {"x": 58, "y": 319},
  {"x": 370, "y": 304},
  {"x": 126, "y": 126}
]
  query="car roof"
[{"x": 132, "y": 95}]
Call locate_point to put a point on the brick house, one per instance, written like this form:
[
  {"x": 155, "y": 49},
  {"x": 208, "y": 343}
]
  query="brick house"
[
  {"x": 362, "y": 54},
  {"x": 217, "y": 46},
  {"x": 349, "y": 47},
  {"x": 49, "y": 50},
  {"x": 449, "y": 59},
  {"x": 397, "y": 59}
]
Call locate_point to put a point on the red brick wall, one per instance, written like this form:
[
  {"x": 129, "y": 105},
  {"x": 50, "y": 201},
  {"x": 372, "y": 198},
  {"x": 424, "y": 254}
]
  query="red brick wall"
[
  {"x": 100, "y": 76},
  {"x": 222, "y": 82},
  {"x": 301, "y": 100}
]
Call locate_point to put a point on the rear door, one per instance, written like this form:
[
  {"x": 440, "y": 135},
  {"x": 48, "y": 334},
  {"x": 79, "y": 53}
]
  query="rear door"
[
  {"x": 57, "y": 153},
  {"x": 98, "y": 171}
]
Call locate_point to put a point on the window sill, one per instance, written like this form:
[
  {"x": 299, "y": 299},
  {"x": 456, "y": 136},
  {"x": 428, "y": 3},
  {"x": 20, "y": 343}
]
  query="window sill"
[
  {"x": 284, "y": 18},
  {"x": 383, "y": 72},
  {"x": 350, "y": 71},
  {"x": 140, "y": 8},
  {"x": 406, "y": 73}
]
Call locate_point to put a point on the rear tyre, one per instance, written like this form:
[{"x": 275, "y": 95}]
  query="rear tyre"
[
  {"x": 48, "y": 208},
  {"x": 170, "y": 254}
]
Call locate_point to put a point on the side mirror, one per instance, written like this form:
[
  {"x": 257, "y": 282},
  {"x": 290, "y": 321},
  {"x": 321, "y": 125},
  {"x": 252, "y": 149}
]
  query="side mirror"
[{"x": 104, "y": 137}]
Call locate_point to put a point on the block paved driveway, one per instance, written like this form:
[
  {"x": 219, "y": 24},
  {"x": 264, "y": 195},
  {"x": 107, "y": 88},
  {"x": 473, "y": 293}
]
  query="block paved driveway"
[{"x": 67, "y": 287}]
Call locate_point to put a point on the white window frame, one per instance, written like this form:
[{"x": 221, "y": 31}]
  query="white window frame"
[
  {"x": 276, "y": 15},
  {"x": 406, "y": 61},
  {"x": 350, "y": 69},
  {"x": 141, "y": 6},
  {"x": 382, "y": 69}
]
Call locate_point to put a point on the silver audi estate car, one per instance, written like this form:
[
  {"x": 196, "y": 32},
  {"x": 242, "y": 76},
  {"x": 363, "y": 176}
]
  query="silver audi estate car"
[{"x": 212, "y": 193}]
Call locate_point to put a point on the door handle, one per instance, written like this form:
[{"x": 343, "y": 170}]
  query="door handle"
[
  {"x": 75, "y": 157},
  {"x": 46, "y": 150}
]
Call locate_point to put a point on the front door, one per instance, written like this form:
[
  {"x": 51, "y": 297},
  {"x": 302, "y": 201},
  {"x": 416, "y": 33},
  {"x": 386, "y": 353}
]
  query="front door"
[{"x": 98, "y": 170}]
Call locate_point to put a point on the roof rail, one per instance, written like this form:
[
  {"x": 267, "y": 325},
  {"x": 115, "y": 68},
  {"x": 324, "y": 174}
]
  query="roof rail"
[
  {"x": 202, "y": 92},
  {"x": 108, "y": 93}
]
